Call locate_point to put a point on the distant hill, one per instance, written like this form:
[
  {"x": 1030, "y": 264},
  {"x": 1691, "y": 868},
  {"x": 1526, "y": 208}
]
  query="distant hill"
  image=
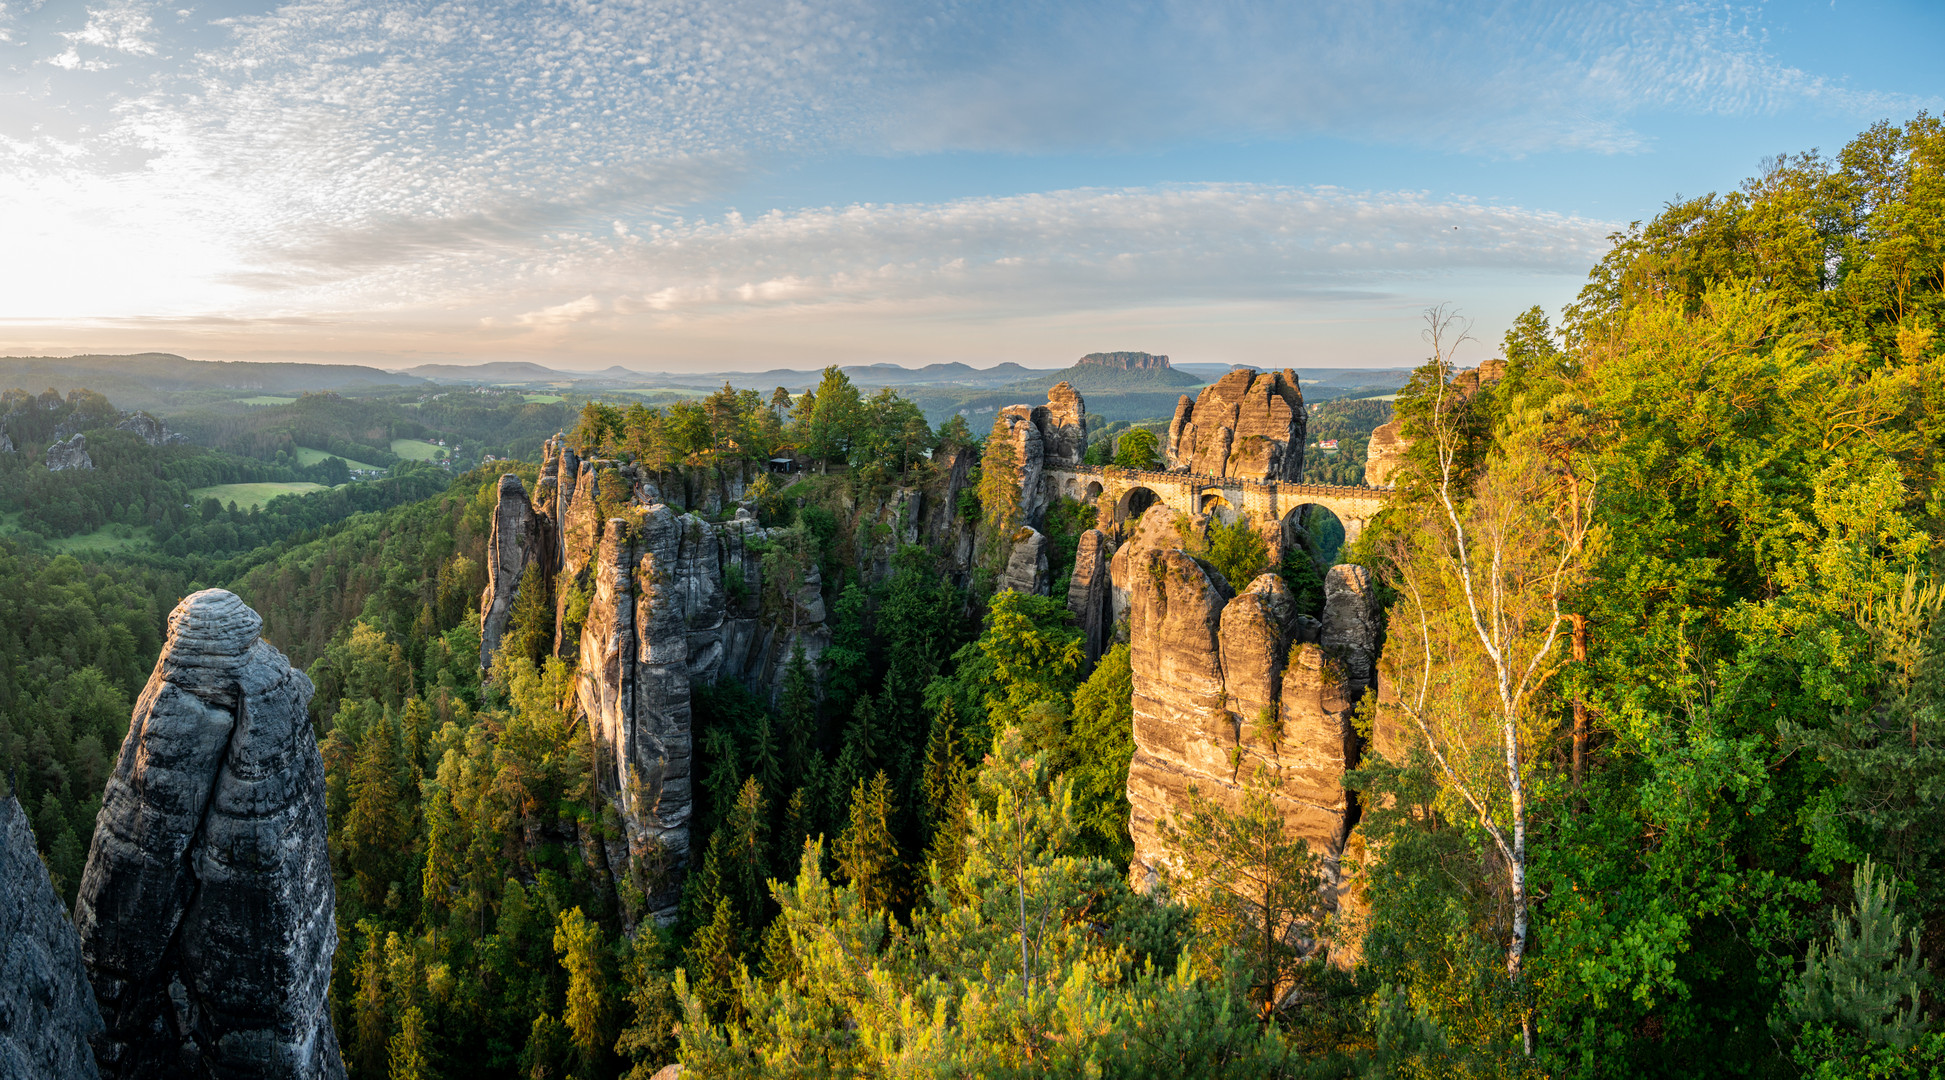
[
  {"x": 500, "y": 371},
  {"x": 1113, "y": 372},
  {"x": 165, "y": 382}
]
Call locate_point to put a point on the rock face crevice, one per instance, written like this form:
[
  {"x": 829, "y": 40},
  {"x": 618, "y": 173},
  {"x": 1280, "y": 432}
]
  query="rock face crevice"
[
  {"x": 1247, "y": 423},
  {"x": 206, "y": 909},
  {"x": 47, "y": 1009}
]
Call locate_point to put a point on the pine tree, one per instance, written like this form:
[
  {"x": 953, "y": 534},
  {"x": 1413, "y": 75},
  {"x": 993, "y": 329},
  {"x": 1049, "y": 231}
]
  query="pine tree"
[
  {"x": 370, "y": 1045},
  {"x": 766, "y": 764},
  {"x": 409, "y": 1055},
  {"x": 941, "y": 755},
  {"x": 867, "y": 856},
  {"x": 745, "y": 839},
  {"x": 714, "y": 958},
  {"x": 797, "y": 710},
  {"x": 373, "y": 830},
  {"x": 1861, "y": 978},
  {"x": 578, "y": 944}
]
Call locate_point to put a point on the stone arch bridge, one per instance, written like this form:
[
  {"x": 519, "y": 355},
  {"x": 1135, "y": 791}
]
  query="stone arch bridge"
[{"x": 1120, "y": 495}]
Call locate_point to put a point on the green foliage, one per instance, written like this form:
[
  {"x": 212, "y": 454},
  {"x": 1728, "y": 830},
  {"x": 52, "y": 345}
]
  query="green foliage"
[
  {"x": 1039, "y": 969},
  {"x": 1236, "y": 550},
  {"x": 1100, "y": 746},
  {"x": 1138, "y": 449},
  {"x": 1865, "y": 979}
]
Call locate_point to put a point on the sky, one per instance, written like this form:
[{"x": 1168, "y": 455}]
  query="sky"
[{"x": 747, "y": 184}]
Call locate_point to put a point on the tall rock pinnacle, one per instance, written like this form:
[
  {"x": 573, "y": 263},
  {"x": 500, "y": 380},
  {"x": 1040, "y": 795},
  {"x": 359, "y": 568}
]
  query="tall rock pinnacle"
[
  {"x": 47, "y": 1011},
  {"x": 205, "y": 912}
]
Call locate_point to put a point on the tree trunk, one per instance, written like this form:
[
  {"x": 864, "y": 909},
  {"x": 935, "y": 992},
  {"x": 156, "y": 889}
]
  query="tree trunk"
[{"x": 1580, "y": 702}]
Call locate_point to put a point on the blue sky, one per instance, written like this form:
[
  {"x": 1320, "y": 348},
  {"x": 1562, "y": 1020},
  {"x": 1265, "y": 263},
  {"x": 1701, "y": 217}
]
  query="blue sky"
[{"x": 755, "y": 183}]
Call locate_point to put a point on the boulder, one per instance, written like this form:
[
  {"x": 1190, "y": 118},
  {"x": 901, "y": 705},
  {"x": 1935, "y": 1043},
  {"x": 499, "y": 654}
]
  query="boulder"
[
  {"x": 1026, "y": 566},
  {"x": 1248, "y": 424},
  {"x": 47, "y": 1008},
  {"x": 69, "y": 454},
  {"x": 206, "y": 912}
]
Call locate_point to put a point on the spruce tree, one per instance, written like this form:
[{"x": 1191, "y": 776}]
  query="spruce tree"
[
  {"x": 797, "y": 709},
  {"x": 867, "y": 856},
  {"x": 370, "y": 1045},
  {"x": 577, "y": 942},
  {"x": 374, "y": 834},
  {"x": 714, "y": 958},
  {"x": 409, "y": 1056}
]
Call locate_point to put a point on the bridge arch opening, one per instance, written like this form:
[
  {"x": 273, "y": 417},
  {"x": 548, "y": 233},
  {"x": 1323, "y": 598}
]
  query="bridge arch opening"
[
  {"x": 1093, "y": 493},
  {"x": 1133, "y": 503},
  {"x": 1315, "y": 530},
  {"x": 1217, "y": 507}
]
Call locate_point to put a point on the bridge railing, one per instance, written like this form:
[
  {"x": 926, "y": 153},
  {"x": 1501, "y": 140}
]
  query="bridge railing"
[{"x": 1283, "y": 487}]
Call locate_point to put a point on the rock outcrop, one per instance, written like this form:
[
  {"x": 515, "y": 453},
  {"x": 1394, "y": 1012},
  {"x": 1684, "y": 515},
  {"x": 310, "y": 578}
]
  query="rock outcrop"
[
  {"x": 153, "y": 431},
  {"x": 206, "y": 909},
  {"x": 47, "y": 1008},
  {"x": 510, "y": 548},
  {"x": 1248, "y": 423},
  {"x": 67, "y": 454},
  {"x": 6, "y": 444},
  {"x": 1050, "y": 436},
  {"x": 1063, "y": 426},
  {"x": 1026, "y": 566},
  {"x": 1234, "y": 689},
  {"x": 1090, "y": 592},
  {"x": 1385, "y": 453}
]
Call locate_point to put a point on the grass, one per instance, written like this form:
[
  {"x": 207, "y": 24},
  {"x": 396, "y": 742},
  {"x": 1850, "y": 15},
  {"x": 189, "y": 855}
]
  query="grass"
[
  {"x": 102, "y": 541},
  {"x": 416, "y": 450},
  {"x": 248, "y": 495},
  {"x": 267, "y": 399},
  {"x": 544, "y": 399},
  {"x": 308, "y": 456}
]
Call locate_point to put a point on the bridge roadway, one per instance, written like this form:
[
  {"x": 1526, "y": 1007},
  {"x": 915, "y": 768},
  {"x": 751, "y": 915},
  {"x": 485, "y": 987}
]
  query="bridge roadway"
[{"x": 1121, "y": 494}]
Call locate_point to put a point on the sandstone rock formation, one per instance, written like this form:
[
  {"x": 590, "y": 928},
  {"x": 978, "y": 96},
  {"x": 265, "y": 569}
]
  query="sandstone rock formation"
[
  {"x": 1385, "y": 453},
  {"x": 1232, "y": 689},
  {"x": 1026, "y": 566},
  {"x": 47, "y": 1008},
  {"x": 152, "y": 431},
  {"x": 1015, "y": 425},
  {"x": 1063, "y": 426},
  {"x": 63, "y": 455},
  {"x": 1090, "y": 592},
  {"x": 1248, "y": 423},
  {"x": 1126, "y": 361},
  {"x": 206, "y": 910},
  {"x": 510, "y": 548},
  {"x": 6, "y": 443},
  {"x": 1050, "y": 436}
]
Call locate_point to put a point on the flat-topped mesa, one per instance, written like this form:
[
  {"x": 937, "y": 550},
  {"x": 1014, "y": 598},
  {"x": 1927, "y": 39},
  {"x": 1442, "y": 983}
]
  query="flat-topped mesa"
[
  {"x": 206, "y": 909},
  {"x": 47, "y": 1009},
  {"x": 1234, "y": 687},
  {"x": 1125, "y": 361},
  {"x": 1247, "y": 424}
]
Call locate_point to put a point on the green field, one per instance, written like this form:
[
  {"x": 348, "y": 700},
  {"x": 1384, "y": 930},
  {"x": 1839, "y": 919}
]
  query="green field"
[
  {"x": 247, "y": 495},
  {"x": 308, "y": 456},
  {"x": 416, "y": 450},
  {"x": 266, "y": 399},
  {"x": 102, "y": 541},
  {"x": 544, "y": 399}
]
